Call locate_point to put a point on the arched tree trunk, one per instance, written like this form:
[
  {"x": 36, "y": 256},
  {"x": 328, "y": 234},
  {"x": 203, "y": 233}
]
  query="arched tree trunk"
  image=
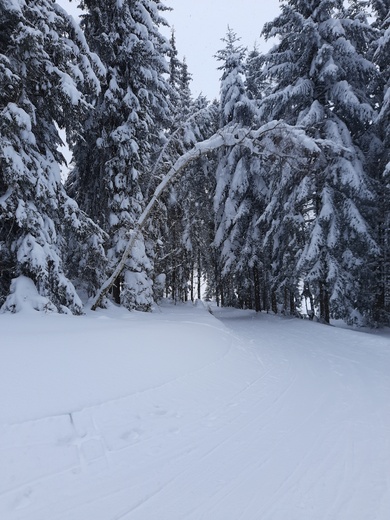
[{"x": 230, "y": 136}]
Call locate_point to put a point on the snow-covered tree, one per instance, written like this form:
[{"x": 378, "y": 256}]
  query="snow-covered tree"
[
  {"x": 173, "y": 258},
  {"x": 255, "y": 83},
  {"x": 234, "y": 175},
  {"x": 382, "y": 166},
  {"x": 195, "y": 193},
  {"x": 321, "y": 76},
  {"x": 381, "y": 9},
  {"x": 255, "y": 140},
  {"x": 179, "y": 79},
  {"x": 182, "y": 230},
  {"x": 123, "y": 135},
  {"x": 44, "y": 66}
]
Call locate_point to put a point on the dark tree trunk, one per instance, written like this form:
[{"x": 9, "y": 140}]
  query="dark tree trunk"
[
  {"x": 274, "y": 304},
  {"x": 222, "y": 293},
  {"x": 265, "y": 299},
  {"x": 324, "y": 304},
  {"x": 256, "y": 289},
  {"x": 174, "y": 295},
  {"x": 386, "y": 267},
  {"x": 192, "y": 283},
  {"x": 293, "y": 308},
  {"x": 286, "y": 301},
  {"x": 116, "y": 291},
  {"x": 217, "y": 286},
  {"x": 199, "y": 276}
]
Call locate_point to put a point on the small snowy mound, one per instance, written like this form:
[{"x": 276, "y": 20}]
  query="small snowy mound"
[{"x": 25, "y": 297}]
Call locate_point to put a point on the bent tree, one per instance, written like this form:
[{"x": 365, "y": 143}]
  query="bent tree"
[{"x": 230, "y": 136}]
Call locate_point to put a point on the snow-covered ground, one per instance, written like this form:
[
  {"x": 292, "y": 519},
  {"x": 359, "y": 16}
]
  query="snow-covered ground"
[{"x": 181, "y": 415}]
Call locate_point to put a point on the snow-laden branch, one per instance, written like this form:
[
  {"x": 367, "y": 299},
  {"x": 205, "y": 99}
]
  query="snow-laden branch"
[
  {"x": 230, "y": 136},
  {"x": 205, "y": 110}
]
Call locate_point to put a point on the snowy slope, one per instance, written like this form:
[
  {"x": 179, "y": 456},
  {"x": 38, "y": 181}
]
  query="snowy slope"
[{"x": 181, "y": 415}]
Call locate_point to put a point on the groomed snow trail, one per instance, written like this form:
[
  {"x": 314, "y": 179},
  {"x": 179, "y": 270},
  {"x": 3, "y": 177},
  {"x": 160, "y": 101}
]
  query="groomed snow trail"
[{"x": 235, "y": 416}]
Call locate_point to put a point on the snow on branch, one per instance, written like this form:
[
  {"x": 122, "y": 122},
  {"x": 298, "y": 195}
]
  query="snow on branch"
[{"x": 229, "y": 136}]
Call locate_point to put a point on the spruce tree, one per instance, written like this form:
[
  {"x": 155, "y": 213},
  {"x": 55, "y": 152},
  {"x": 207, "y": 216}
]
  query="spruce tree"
[
  {"x": 381, "y": 52},
  {"x": 181, "y": 219},
  {"x": 175, "y": 256},
  {"x": 232, "y": 201},
  {"x": 321, "y": 73},
  {"x": 255, "y": 83},
  {"x": 195, "y": 191},
  {"x": 182, "y": 239},
  {"x": 124, "y": 132},
  {"x": 44, "y": 65}
]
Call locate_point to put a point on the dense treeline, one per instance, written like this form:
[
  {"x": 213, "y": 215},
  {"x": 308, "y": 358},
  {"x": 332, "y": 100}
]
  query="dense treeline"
[{"x": 296, "y": 220}]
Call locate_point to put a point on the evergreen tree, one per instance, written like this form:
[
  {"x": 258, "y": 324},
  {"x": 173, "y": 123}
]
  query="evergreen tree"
[
  {"x": 381, "y": 58},
  {"x": 182, "y": 232},
  {"x": 321, "y": 74},
  {"x": 234, "y": 196},
  {"x": 381, "y": 9},
  {"x": 175, "y": 263},
  {"x": 255, "y": 83},
  {"x": 122, "y": 137},
  {"x": 286, "y": 213},
  {"x": 44, "y": 65},
  {"x": 195, "y": 191},
  {"x": 182, "y": 217}
]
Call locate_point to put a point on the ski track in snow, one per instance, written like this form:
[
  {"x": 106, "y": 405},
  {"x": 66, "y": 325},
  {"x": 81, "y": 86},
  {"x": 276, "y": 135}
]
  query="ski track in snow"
[{"x": 282, "y": 420}]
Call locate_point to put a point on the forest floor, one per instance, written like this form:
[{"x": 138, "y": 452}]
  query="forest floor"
[{"x": 184, "y": 415}]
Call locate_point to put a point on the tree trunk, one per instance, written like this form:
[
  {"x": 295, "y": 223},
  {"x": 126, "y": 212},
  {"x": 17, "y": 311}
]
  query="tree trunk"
[
  {"x": 192, "y": 283},
  {"x": 324, "y": 303},
  {"x": 256, "y": 289},
  {"x": 199, "y": 277},
  {"x": 386, "y": 274},
  {"x": 116, "y": 291},
  {"x": 274, "y": 304},
  {"x": 265, "y": 298},
  {"x": 285, "y": 301},
  {"x": 222, "y": 292},
  {"x": 293, "y": 308},
  {"x": 173, "y": 284}
]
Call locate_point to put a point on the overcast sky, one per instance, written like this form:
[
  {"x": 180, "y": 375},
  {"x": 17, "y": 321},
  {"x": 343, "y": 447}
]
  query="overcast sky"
[{"x": 199, "y": 27}]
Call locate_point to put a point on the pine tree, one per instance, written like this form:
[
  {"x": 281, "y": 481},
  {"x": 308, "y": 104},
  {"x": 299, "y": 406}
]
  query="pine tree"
[
  {"x": 44, "y": 65},
  {"x": 255, "y": 83},
  {"x": 180, "y": 257},
  {"x": 381, "y": 9},
  {"x": 123, "y": 135},
  {"x": 195, "y": 192},
  {"x": 233, "y": 195},
  {"x": 175, "y": 262},
  {"x": 182, "y": 230},
  {"x": 381, "y": 53},
  {"x": 321, "y": 74}
]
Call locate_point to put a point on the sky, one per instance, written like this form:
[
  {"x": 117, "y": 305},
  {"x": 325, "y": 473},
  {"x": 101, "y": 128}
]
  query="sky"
[{"x": 199, "y": 26}]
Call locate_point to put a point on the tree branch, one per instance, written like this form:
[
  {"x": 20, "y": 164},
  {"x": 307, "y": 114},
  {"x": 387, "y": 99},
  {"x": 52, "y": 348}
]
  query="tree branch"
[{"x": 230, "y": 136}]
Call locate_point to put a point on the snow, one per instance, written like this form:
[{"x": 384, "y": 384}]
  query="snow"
[
  {"x": 182, "y": 415},
  {"x": 69, "y": 87},
  {"x": 12, "y": 5},
  {"x": 25, "y": 297}
]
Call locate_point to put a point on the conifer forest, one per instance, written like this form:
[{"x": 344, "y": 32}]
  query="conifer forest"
[{"x": 274, "y": 197}]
